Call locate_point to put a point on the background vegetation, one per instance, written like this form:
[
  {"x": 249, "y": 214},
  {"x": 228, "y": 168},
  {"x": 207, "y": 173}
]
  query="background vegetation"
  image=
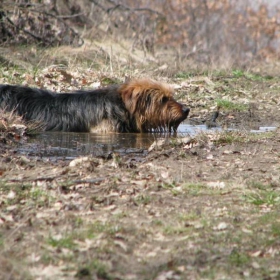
[{"x": 233, "y": 32}]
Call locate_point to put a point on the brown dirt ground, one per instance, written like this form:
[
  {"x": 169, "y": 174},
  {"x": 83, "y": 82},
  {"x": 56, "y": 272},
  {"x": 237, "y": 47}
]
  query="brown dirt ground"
[{"x": 201, "y": 209}]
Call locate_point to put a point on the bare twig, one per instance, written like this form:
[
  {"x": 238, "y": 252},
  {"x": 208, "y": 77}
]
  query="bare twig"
[{"x": 125, "y": 7}]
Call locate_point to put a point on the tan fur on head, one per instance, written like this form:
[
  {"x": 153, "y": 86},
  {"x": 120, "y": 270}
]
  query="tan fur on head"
[
  {"x": 141, "y": 85},
  {"x": 151, "y": 104}
]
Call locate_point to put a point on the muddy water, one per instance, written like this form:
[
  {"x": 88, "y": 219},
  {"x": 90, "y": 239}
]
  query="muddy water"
[
  {"x": 66, "y": 144},
  {"x": 70, "y": 145}
]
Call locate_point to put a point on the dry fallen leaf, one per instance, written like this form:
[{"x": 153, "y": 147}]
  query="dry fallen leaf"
[
  {"x": 78, "y": 161},
  {"x": 216, "y": 185},
  {"x": 168, "y": 275},
  {"x": 221, "y": 226},
  {"x": 11, "y": 195},
  {"x": 121, "y": 244}
]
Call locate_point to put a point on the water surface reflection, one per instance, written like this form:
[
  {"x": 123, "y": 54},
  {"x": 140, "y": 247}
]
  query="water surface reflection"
[{"x": 68, "y": 144}]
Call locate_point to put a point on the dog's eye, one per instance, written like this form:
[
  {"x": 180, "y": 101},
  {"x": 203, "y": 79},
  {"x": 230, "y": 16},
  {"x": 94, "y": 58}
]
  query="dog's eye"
[{"x": 164, "y": 99}]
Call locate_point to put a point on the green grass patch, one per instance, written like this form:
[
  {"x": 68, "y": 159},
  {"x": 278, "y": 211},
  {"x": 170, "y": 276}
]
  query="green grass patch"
[
  {"x": 275, "y": 228},
  {"x": 237, "y": 258},
  {"x": 263, "y": 198},
  {"x": 142, "y": 199},
  {"x": 231, "y": 106},
  {"x": 237, "y": 73},
  {"x": 183, "y": 75},
  {"x": 229, "y": 137},
  {"x": 64, "y": 242},
  {"x": 176, "y": 230},
  {"x": 94, "y": 268},
  {"x": 18, "y": 187},
  {"x": 100, "y": 227},
  {"x": 109, "y": 81},
  {"x": 1, "y": 241},
  {"x": 172, "y": 187},
  {"x": 40, "y": 197},
  {"x": 157, "y": 222},
  {"x": 47, "y": 258},
  {"x": 194, "y": 188},
  {"x": 14, "y": 75},
  {"x": 260, "y": 186},
  {"x": 260, "y": 136},
  {"x": 78, "y": 222},
  {"x": 268, "y": 218},
  {"x": 192, "y": 216}
]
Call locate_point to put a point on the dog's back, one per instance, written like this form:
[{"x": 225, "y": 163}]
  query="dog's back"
[
  {"x": 78, "y": 111},
  {"x": 17, "y": 98}
]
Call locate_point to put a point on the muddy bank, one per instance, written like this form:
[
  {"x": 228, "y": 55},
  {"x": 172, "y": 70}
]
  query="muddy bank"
[{"x": 206, "y": 207}]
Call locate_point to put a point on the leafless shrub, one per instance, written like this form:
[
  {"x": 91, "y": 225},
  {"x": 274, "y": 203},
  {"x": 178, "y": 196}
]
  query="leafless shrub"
[
  {"x": 205, "y": 31},
  {"x": 202, "y": 30},
  {"x": 38, "y": 22}
]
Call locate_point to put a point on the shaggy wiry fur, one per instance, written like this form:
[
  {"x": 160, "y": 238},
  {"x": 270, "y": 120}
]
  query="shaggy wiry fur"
[{"x": 140, "y": 105}]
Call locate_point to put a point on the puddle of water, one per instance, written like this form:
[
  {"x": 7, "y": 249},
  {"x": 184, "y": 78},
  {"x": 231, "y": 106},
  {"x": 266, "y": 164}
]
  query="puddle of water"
[
  {"x": 264, "y": 129},
  {"x": 70, "y": 145},
  {"x": 195, "y": 129}
]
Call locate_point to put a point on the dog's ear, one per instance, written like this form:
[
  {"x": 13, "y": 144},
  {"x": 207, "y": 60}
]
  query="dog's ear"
[{"x": 130, "y": 95}]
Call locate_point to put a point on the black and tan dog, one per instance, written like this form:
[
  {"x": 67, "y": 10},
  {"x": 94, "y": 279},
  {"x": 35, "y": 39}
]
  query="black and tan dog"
[{"x": 140, "y": 105}]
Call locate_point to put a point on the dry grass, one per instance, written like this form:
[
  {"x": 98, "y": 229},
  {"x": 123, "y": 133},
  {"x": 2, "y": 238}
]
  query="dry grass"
[{"x": 205, "y": 211}]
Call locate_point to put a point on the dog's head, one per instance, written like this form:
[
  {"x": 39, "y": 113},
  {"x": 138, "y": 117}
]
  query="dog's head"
[{"x": 152, "y": 105}]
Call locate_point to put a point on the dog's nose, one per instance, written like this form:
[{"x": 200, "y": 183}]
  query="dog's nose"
[{"x": 185, "y": 109}]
